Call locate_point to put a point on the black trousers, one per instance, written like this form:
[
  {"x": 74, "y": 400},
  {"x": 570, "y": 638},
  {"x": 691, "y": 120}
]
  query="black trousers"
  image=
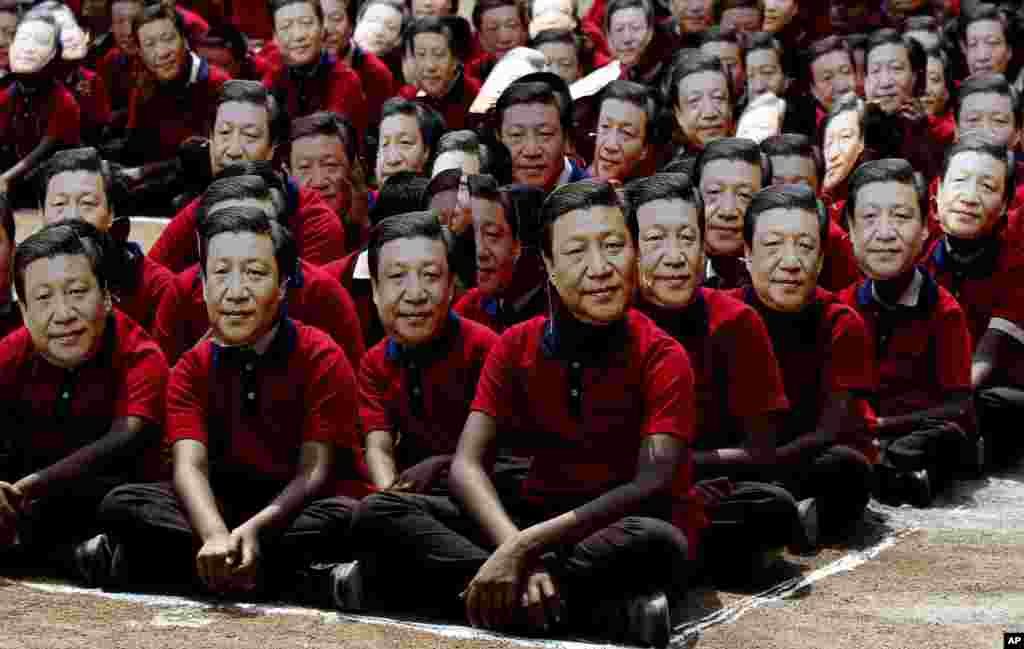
[
  {"x": 160, "y": 545},
  {"x": 52, "y": 525},
  {"x": 939, "y": 446},
  {"x": 838, "y": 477},
  {"x": 419, "y": 552},
  {"x": 756, "y": 517},
  {"x": 999, "y": 409}
]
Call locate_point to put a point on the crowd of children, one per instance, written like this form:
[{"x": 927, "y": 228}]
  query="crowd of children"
[{"x": 691, "y": 294}]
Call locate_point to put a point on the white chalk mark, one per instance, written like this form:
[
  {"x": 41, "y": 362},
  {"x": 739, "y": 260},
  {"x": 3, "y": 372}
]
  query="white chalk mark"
[
  {"x": 179, "y": 604},
  {"x": 686, "y": 632},
  {"x": 186, "y": 617}
]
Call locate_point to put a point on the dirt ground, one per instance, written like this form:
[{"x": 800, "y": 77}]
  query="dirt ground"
[
  {"x": 931, "y": 589},
  {"x": 949, "y": 577}
]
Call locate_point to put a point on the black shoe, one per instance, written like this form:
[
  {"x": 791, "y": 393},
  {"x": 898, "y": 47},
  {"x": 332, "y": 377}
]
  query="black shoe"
[
  {"x": 806, "y": 542},
  {"x": 94, "y": 560},
  {"x": 347, "y": 586},
  {"x": 981, "y": 456},
  {"x": 331, "y": 585},
  {"x": 639, "y": 619},
  {"x": 649, "y": 622},
  {"x": 918, "y": 485}
]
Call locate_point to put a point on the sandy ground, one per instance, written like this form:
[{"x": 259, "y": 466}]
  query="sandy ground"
[
  {"x": 144, "y": 230},
  {"x": 951, "y": 576}
]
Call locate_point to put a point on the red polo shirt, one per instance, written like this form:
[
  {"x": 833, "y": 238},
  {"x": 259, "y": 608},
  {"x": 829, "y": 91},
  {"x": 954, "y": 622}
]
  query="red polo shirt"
[
  {"x": 424, "y": 394},
  {"x": 375, "y": 75},
  {"x": 942, "y": 128},
  {"x": 923, "y": 351},
  {"x": 253, "y": 415},
  {"x": 734, "y": 366},
  {"x": 586, "y": 415},
  {"x": 121, "y": 74},
  {"x": 253, "y": 18},
  {"x": 25, "y": 119},
  {"x": 992, "y": 288},
  {"x": 195, "y": 25},
  {"x": 361, "y": 293},
  {"x": 378, "y": 82},
  {"x": 486, "y": 309},
  {"x": 314, "y": 297},
  {"x": 840, "y": 267},
  {"x": 821, "y": 351},
  {"x": 318, "y": 232},
  {"x": 453, "y": 107},
  {"x": 153, "y": 282},
  {"x": 332, "y": 86},
  {"x": 59, "y": 411},
  {"x": 90, "y": 91},
  {"x": 163, "y": 118}
]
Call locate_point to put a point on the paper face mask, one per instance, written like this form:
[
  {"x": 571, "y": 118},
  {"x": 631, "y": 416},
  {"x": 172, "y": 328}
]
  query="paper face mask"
[
  {"x": 379, "y": 30},
  {"x": 74, "y": 40},
  {"x": 35, "y": 45},
  {"x": 844, "y": 143},
  {"x": 762, "y": 119}
]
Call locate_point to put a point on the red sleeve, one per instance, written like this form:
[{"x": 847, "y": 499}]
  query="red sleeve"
[
  {"x": 332, "y": 408},
  {"x": 491, "y": 390},
  {"x": 942, "y": 128},
  {"x": 101, "y": 101},
  {"x": 157, "y": 282},
  {"x": 845, "y": 367},
  {"x": 12, "y": 349},
  {"x": 464, "y": 305},
  {"x": 593, "y": 20},
  {"x": 379, "y": 85},
  {"x": 271, "y": 53},
  {"x": 320, "y": 234},
  {"x": 144, "y": 386},
  {"x": 65, "y": 123},
  {"x": 174, "y": 249},
  {"x": 259, "y": 65},
  {"x": 469, "y": 306},
  {"x": 669, "y": 397},
  {"x": 339, "y": 318},
  {"x": 1010, "y": 306},
  {"x": 595, "y": 34},
  {"x": 270, "y": 74},
  {"x": 188, "y": 397},
  {"x": 133, "y": 108},
  {"x": 840, "y": 269},
  {"x": 347, "y": 97},
  {"x": 195, "y": 25},
  {"x": 167, "y": 329},
  {"x": 373, "y": 390},
  {"x": 748, "y": 346},
  {"x": 475, "y": 66},
  {"x": 953, "y": 348}
]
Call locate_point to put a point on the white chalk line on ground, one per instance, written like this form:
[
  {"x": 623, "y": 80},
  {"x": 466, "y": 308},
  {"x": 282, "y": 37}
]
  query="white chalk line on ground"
[
  {"x": 686, "y": 633},
  {"x": 179, "y": 615}
]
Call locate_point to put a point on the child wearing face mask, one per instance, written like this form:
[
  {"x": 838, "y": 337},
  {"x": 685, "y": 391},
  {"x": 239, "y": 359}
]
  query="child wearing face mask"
[
  {"x": 88, "y": 88},
  {"x": 9, "y": 15},
  {"x": 37, "y": 112}
]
